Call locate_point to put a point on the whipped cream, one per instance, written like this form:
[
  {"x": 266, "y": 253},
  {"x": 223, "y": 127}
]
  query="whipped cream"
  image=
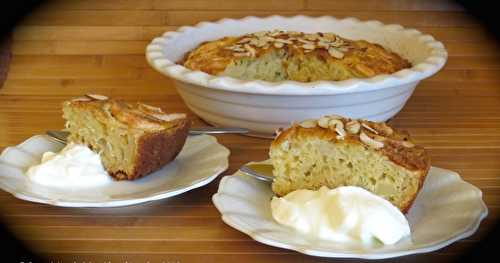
[
  {"x": 76, "y": 166},
  {"x": 345, "y": 214}
]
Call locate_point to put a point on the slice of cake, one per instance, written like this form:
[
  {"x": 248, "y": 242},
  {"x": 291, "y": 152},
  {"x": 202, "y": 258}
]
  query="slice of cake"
[
  {"x": 132, "y": 140},
  {"x": 334, "y": 151}
]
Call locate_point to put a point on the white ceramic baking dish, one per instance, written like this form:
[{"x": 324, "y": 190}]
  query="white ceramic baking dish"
[{"x": 263, "y": 106}]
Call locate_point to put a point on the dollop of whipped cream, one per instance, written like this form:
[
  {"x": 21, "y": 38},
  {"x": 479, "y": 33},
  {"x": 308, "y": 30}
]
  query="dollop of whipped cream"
[
  {"x": 75, "y": 166},
  {"x": 345, "y": 214}
]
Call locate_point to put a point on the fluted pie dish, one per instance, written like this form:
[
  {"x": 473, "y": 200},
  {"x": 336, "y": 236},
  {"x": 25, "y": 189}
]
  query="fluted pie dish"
[{"x": 262, "y": 106}]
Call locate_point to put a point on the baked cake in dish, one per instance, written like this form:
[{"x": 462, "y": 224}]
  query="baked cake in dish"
[
  {"x": 334, "y": 151},
  {"x": 133, "y": 140},
  {"x": 288, "y": 55}
]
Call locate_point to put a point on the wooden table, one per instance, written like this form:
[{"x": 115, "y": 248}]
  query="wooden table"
[{"x": 68, "y": 48}]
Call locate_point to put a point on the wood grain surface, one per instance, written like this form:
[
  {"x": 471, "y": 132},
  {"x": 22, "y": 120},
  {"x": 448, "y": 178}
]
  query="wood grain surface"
[{"x": 68, "y": 48}]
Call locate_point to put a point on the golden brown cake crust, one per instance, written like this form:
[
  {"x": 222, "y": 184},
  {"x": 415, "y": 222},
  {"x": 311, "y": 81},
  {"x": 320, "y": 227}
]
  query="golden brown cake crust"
[
  {"x": 155, "y": 150},
  {"x": 393, "y": 143},
  {"x": 397, "y": 144},
  {"x": 359, "y": 58},
  {"x": 159, "y": 136}
]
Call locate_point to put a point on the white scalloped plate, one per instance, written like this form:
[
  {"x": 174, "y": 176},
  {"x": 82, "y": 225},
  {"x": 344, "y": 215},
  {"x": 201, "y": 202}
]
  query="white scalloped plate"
[
  {"x": 447, "y": 209},
  {"x": 201, "y": 160}
]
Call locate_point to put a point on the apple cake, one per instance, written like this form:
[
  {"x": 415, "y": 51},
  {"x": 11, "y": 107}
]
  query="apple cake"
[
  {"x": 133, "y": 140},
  {"x": 289, "y": 55},
  {"x": 334, "y": 151}
]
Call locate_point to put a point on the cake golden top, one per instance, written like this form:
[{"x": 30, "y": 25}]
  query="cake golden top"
[
  {"x": 137, "y": 116},
  {"x": 329, "y": 56},
  {"x": 395, "y": 144}
]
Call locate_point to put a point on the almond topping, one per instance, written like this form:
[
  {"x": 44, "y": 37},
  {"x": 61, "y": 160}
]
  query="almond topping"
[
  {"x": 353, "y": 127},
  {"x": 250, "y": 49},
  {"x": 335, "y": 53},
  {"x": 384, "y": 128},
  {"x": 408, "y": 144},
  {"x": 308, "y": 124},
  {"x": 169, "y": 117},
  {"x": 278, "y": 131},
  {"x": 369, "y": 128},
  {"x": 333, "y": 123},
  {"x": 311, "y": 37},
  {"x": 278, "y": 44},
  {"x": 96, "y": 96},
  {"x": 370, "y": 142},
  {"x": 305, "y": 41},
  {"x": 284, "y": 41},
  {"x": 81, "y": 99},
  {"x": 323, "y": 122},
  {"x": 151, "y": 108},
  {"x": 341, "y": 132},
  {"x": 244, "y": 40}
]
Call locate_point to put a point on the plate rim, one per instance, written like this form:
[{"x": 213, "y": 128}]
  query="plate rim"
[
  {"x": 114, "y": 203},
  {"x": 243, "y": 227}
]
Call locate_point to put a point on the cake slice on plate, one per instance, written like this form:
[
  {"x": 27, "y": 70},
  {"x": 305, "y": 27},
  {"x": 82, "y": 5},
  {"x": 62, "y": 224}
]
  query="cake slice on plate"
[
  {"x": 133, "y": 140},
  {"x": 334, "y": 151}
]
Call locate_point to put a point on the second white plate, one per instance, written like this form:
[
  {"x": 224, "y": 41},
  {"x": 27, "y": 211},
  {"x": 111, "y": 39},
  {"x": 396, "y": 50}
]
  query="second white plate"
[
  {"x": 446, "y": 209},
  {"x": 201, "y": 160}
]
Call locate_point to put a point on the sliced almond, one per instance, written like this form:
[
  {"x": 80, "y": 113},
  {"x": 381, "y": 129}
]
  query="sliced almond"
[
  {"x": 260, "y": 33},
  {"x": 261, "y": 42},
  {"x": 366, "y": 126},
  {"x": 353, "y": 127},
  {"x": 284, "y": 41},
  {"x": 250, "y": 49},
  {"x": 170, "y": 117},
  {"x": 81, "y": 99},
  {"x": 309, "y": 46},
  {"x": 384, "y": 128},
  {"x": 330, "y": 36},
  {"x": 370, "y": 142},
  {"x": 341, "y": 132},
  {"x": 244, "y": 40},
  {"x": 334, "y": 123},
  {"x": 97, "y": 96},
  {"x": 268, "y": 39},
  {"x": 311, "y": 37},
  {"x": 278, "y": 131},
  {"x": 408, "y": 144},
  {"x": 364, "y": 69},
  {"x": 150, "y": 108},
  {"x": 278, "y": 44},
  {"x": 335, "y": 53},
  {"x": 324, "y": 122},
  {"x": 308, "y": 124},
  {"x": 276, "y": 33},
  {"x": 303, "y": 41},
  {"x": 323, "y": 44}
]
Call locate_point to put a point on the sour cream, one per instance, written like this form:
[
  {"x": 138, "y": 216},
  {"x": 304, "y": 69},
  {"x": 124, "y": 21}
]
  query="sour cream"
[
  {"x": 345, "y": 214},
  {"x": 76, "y": 166}
]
